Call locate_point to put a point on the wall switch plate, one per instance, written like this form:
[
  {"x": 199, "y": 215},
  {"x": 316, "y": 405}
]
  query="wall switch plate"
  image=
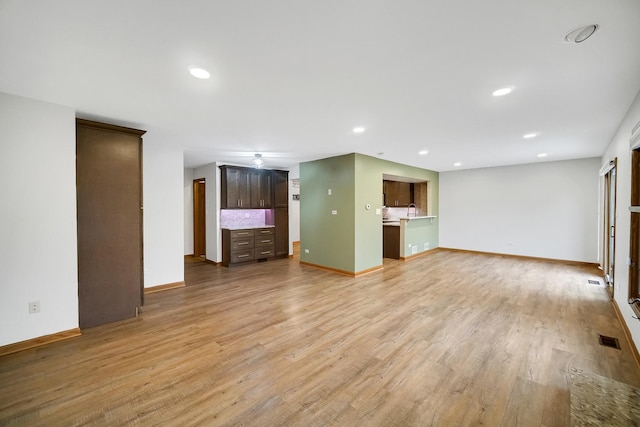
[
  {"x": 329, "y": 191},
  {"x": 334, "y": 212},
  {"x": 306, "y": 251},
  {"x": 378, "y": 211},
  {"x": 34, "y": 307}
]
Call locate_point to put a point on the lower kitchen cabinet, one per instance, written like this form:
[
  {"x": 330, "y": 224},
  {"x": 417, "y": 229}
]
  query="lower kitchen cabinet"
[
  {"x": 247, "y": 245},
  {"x": 391, "y": 241}
]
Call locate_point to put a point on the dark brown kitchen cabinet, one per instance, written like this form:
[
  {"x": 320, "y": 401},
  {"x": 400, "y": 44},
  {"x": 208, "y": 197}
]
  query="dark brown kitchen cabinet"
[
  {"x": 247, "y": 245},
  {"x": 281, "y": 222},
  {"x": 397, "y": 194},
  {"x": 391, "y": 241},
  {"x": 260, "y": 185},
  {"x": 281, "y": 189},
  {"x": 235, "y": 188}
]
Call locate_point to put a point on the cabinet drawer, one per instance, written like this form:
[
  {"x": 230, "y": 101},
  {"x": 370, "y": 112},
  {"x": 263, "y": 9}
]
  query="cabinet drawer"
[
  {"x": 264, "y": 252},
  {"x": 263, "y": 241},
  {"x": 242, "y": 243},
  {"x": 244, "y": 255},
  {"x": 241, "y": 233},
  {"x": 264, "y": 231}
]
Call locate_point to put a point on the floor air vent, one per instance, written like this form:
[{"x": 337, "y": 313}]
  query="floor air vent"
[
  {"x": 594, "y": 282},
  {"x": 609, "y": 341}
]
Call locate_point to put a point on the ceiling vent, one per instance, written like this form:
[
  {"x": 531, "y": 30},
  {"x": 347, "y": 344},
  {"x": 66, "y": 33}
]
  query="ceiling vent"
[{"x": 581, "y": 34}]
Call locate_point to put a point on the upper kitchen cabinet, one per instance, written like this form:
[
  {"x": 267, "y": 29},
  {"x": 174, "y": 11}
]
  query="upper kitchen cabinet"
[
  {"x": 281, "y": 189},
  {"x": 261, "y": 184},
  {"x": 397, "y": 194},
  {"x": 248, "y": 188},
  {"x": 235, "y": 187}
]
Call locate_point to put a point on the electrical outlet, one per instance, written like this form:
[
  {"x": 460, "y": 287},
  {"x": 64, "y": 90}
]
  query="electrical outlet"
[
  {"x": 414, "y": 250},
  {"x": 426, "y": 246},
  {"x": 34, "y": 307}
]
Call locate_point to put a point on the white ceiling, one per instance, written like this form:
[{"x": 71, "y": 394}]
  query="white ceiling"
[{"x": 290, "y": 78}]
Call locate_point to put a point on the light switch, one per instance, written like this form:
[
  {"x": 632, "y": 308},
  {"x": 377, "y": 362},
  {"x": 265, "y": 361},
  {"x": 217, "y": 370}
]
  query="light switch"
[
  {"x": 378, "y": 212},
  {"x": 334, "y": 212},
  {"x": 329, "y": 191}
]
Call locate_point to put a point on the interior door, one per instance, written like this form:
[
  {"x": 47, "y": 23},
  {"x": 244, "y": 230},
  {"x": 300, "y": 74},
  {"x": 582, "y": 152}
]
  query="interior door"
[
  {"x": 199, "y": 218},
  {"x": 609, "y": 226},
  {"x": 109, "y": 210}
]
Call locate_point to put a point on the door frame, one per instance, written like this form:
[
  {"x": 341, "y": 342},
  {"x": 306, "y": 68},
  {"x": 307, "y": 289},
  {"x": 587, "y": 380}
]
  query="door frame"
[
  {"x": 199, "y": 218},
  {"x": 609, "y": 180}
]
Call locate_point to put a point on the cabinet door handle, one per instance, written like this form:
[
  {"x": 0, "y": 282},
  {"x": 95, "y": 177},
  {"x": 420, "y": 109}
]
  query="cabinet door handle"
[
  {"x": 243, "y": 256},
  {"x": 265, "y": 241},
  {"x": 243, "y": 243},
  {"x": 265, "y": 253}
]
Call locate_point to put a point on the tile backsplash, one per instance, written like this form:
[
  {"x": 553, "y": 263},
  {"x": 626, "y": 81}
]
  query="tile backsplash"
[{"x": 243, "y": 218}]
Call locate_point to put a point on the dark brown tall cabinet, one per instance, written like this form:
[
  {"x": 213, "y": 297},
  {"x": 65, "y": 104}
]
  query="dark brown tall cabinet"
[
  {"x": 109, "y": 217},
  {"x": 281, "y": 211}
]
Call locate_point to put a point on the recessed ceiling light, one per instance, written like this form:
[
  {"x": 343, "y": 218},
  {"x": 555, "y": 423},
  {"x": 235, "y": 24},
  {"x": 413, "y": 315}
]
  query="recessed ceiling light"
[
  {"x": 503, "y": 91},
  {"x": 199, "y": 73},
  {"x": 542, "y": 155},
  {"x": 457, "y": 164},
  {"x": 423, "y": 152},
  {"x": 358, "y": 129},
  {"x": 530, "y": 135},
  {"x": 581, "y": 34}
]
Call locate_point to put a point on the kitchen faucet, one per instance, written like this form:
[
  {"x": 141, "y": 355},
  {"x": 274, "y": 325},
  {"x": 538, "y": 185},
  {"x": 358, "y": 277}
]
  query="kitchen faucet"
[{"x": 411, "y": 205}]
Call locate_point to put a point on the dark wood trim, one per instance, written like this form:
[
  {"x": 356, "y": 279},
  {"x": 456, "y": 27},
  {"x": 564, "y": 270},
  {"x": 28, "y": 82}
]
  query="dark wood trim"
[
  {"x": 110, "y": 127},
  {"x": 627, "y": 333},
  {"x": 165, "y": 287},
  {"x": 523, "y": 257},
  {"x": 39, "y": 341},
  {"x": 419, "y": 254},
  {"x": 344, "y": 272}
]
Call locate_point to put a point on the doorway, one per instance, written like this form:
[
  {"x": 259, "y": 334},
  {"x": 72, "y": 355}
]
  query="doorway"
[
  {"x": 199, "y": 218},
  {"x": 609, "y": 225}
]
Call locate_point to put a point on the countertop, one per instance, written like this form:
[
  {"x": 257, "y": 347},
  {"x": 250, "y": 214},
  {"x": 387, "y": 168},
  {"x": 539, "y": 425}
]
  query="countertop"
[{"x": 245, "y": 227}]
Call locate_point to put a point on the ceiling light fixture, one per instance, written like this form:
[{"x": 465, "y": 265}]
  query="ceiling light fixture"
[
  {"x": 581, "y": 34},
  {"x": 199, "y": 73},
  {"x": 530, "y": 135},
  {"x": 358, "y": 129},
  {"x": 423, "y": 152},
  {"x": 542, "y": 155},
  {"x": 257, "y": 161},
  {"x": 503, "y": 91},
  {"x": 457, "y": 164}
]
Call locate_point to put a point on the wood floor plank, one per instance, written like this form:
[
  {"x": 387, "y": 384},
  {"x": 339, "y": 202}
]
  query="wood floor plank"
[{"x": 450, "y": 339}]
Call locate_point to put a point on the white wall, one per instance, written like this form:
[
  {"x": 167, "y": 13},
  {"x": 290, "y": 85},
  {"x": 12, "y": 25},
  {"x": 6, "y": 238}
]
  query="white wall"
[
  {"x": 619, "y": 147},
  {"x": 38, "y": 240},
  {"x": 211, "y": 174},
  {"x": 188, "y": 211},
  {"x": 163, "y": 213},
  {"x": 547, "y": 210}
]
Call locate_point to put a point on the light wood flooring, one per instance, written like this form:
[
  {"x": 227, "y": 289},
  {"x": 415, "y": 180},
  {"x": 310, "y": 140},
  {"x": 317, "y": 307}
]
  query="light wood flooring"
[{"x": 448, "y": 339}]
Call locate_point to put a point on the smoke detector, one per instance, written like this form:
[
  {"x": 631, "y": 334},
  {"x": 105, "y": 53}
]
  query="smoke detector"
[{"x": 581, "y": 34}]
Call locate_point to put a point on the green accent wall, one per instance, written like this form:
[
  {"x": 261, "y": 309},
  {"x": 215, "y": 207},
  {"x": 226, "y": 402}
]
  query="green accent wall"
[
  {"x": 330, "y": 239},
  {"x": 351, "y": 240}
]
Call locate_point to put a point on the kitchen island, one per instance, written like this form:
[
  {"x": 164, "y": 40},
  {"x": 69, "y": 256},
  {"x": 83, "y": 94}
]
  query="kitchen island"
[{"x": 405, "y": 237}]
